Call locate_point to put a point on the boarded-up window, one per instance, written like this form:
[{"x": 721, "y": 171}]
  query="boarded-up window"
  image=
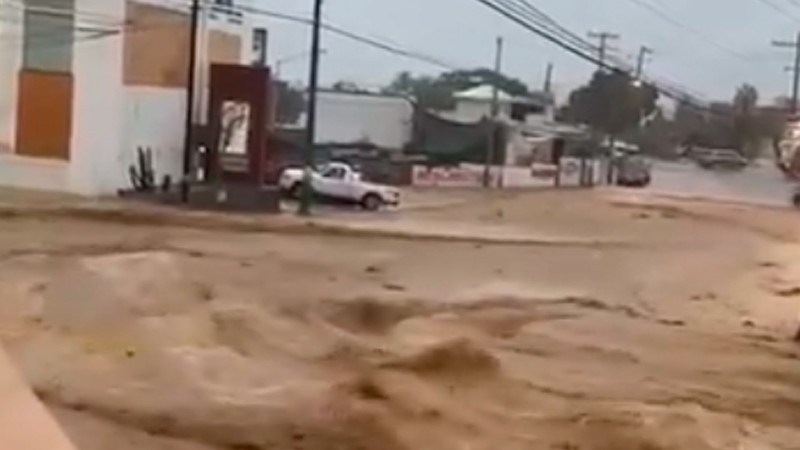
[
  {"x": 44, "y": 114},
  {"x": 48, "y": 35},
  {"x": 224, "y": 48},
  {"x": 156, "y": 47}
]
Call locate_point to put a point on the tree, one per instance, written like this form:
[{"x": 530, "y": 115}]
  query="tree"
[
  {"x": 611, "y": 103},
  {"x": 291, "y": 103},
  {"x": 437, "y": 92},
  {"x": 745, "y": 127}
]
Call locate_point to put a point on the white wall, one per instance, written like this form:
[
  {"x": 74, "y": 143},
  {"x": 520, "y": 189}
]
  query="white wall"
[
  {"x": 344, "y": 117},
  {"x": 34, "y": 173},
  {"x": 109, "y": 120},
  {"x": 113, "y": 120},
  {"x": 97, "y": 106},
  {"x": 154, "y": 118},
  {"x": 474, "y": 111},
  {"x": 19, "y": 171},
  {"x": 10, "y": 63}
]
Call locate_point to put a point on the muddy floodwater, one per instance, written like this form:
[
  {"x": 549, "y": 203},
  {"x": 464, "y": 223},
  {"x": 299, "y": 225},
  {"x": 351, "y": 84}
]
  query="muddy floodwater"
[{"x": 572, "y": 320}]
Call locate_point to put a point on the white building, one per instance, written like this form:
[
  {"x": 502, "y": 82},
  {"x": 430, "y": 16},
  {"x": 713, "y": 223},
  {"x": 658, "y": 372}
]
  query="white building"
[
  {"x": 530, "y": 121},
  {"x": 475, "y": 104},
  {"x": 83, "y": 83},
  {"x": 363, "y": 117}
]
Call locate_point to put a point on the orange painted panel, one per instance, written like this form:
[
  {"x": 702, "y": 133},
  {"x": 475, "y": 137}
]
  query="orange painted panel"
[{"x": 44, "y": 114}]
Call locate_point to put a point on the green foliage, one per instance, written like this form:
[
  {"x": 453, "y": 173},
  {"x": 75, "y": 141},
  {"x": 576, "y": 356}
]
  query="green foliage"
[
  {"x": 746, "y": 125},
  {"x": 611, "y": 103},
  {"x": 291, "y": 103},
  {"x": 740, "y": 124}
]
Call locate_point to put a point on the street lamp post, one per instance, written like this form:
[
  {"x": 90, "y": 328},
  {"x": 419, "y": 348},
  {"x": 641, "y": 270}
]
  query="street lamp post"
[
  {"x": 291, "y": 58},
  {"x": 304, "y": 208}
]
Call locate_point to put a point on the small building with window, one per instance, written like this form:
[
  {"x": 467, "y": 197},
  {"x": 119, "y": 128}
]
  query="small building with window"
[{"x": 84, "y": 83}]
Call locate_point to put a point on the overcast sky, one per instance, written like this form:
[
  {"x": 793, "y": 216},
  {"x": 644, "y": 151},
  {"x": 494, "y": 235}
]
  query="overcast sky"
[{"x": 733, "y": 45}]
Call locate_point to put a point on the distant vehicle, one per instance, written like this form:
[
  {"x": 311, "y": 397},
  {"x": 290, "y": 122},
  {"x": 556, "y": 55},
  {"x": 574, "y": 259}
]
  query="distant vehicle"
[
  {"x": 340, "y": 183},
  {"x": 721, "y": 159},
  {"x": 633, "y": 171},
  {"x": 796, "y": 197}
]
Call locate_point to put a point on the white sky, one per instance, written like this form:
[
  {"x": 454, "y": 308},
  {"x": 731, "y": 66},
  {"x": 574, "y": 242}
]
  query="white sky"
[{"x": 462, "y": 32}]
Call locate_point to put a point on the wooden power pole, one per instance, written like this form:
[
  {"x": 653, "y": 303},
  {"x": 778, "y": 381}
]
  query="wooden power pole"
[
  {"x": 795, "y": 69},
  {"x": 304, "y": 208},
  {"x": 641, "y": 59},
  {"x": 603, "y": 48},
  {"x": 191, "y": 81},
  {"x": 495, "y": 110}
]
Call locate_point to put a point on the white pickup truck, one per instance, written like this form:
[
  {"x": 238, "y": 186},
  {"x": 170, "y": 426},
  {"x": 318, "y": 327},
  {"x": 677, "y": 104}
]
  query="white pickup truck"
[{"x": 339, "y": 182}]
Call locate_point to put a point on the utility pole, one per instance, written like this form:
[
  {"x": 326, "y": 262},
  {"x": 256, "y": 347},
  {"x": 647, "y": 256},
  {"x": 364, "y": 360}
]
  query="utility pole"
[
  {"x": 495, "y": 109},
  {"x": 191, "y": 77},
  {"x": 640, "y": 60},
  {"x": 548, "y": 79},
  {"x": 795, "y": 68},
  {"x": 304, "y": 208},
  {"x": 603, "y": 48}
]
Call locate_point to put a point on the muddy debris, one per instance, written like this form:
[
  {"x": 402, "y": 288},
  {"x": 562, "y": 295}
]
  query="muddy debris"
[{"x": 460, "y": 358}]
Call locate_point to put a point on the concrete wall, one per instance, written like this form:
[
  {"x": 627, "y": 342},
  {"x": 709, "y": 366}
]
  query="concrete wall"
[
  {"x": 154, "y": 118},
  {"x": 10, "y": 63},
  {"x": 97, "y": 106},
  {"x": 110, "y": 119},
  {"x": 385, "y": 121},
  {"x": 470, "y": 111},
  {"x": 34, "y": 173},
  {"x": 15, "y": 170}
]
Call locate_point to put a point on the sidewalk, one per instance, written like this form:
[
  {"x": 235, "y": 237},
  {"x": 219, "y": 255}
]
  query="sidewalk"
[{"x": 25, "y": 424}]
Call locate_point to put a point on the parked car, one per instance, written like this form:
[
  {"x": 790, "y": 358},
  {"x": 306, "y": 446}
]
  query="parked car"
[
  {"x": 633, "y": 171},
  {"x": 721, "y": 159},
  {"x": 340, "y": 183}
]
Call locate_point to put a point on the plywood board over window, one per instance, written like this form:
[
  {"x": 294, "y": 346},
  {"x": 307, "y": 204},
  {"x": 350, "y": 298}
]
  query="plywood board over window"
[
  {"x": 44, "y": 114},
  {"x": 224, "y": 48},
  {"x": 156, "y": 46}
]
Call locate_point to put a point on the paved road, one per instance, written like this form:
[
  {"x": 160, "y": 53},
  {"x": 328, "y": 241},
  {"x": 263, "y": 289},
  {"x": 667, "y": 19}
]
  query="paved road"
[{"x": 761, "y": 184}]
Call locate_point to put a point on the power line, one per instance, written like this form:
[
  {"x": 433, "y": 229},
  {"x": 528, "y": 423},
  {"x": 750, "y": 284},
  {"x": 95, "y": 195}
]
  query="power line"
[
  {"x": 663, "y": 15},
  {"x": 549, "y": 25},
  {"x": 546, "y": 21},
  {"x": 795, "y": 69},
  {"x": 779, "y": 9},
  {"x": 665, "y": 88},
  {"x": 327, "y": 26},
  {"x": 72, "y": 12},
  {"x": 603, "y": 37}
]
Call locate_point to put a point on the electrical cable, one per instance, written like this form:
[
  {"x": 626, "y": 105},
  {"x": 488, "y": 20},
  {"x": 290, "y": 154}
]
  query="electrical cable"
[
  {"x": 665, "y": 16},
  {"x": 394, "y": 49},
  {"x": 783, "y": 12},
  {"x": 667, "y": 89}
]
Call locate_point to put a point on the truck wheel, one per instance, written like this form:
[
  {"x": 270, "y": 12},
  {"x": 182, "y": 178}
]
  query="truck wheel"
[
  {"x": 296, "y": 191},
  {"x": 371, "y": 202}
]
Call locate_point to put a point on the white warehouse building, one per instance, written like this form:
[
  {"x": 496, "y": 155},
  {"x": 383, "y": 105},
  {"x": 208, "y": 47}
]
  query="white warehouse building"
[{"x": 87, "y": 82}]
